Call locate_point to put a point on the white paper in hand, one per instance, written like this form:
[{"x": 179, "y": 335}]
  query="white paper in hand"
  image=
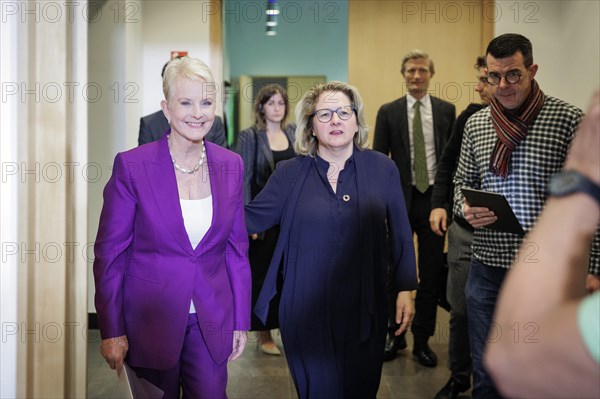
[{"x": 133, "y": 387}]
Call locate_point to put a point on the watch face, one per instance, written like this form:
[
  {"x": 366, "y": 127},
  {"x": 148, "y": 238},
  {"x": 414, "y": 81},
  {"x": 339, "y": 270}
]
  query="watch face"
[
  {"x": 570, "y": 182},
  {"x": 564, "y": 183}
]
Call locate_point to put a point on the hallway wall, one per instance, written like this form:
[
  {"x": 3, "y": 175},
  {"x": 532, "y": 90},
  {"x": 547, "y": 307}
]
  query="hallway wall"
[
  {"x": 566, "y": 43},
  {"x": 312, "y": 39},
  {"x": 382, "y": 32},
  {"x": 44, "y": 137}
]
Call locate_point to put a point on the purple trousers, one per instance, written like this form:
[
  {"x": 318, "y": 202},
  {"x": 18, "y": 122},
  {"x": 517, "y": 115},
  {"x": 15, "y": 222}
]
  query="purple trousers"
[{"x": 196, "y": 374}]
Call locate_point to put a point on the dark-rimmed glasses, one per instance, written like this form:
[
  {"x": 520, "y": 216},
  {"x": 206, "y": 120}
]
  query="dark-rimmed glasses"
[
  {"x": 511, "y": 77},
  {"x": 344, "y": 113}
]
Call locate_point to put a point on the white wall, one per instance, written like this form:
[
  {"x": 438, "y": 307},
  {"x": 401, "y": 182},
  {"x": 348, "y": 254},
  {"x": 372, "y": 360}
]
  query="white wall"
[
  {"x": 170, "y": 26},
  {"x": 566, "y": 42}
]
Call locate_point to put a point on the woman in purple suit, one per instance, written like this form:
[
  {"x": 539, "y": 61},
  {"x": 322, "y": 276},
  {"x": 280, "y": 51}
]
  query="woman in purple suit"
[{"x": 171, "y": 269}]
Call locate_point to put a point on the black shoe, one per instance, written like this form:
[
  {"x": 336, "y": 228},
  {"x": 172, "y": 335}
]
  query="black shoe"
[
  {"x": 452, "y": 388},
  {"x": 425, "y": 356},
  {"x": 393, "y": 345}
]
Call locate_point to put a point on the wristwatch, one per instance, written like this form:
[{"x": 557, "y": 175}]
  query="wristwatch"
[{"x": 570, "y": 182}]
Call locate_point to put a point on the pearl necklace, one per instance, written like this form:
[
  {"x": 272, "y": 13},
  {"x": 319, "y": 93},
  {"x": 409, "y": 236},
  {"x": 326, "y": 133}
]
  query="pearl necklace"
[{"x": 196, "y": 168}]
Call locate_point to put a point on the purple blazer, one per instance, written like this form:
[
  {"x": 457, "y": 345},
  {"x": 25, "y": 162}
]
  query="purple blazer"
[{"x": 146, "y": 271}]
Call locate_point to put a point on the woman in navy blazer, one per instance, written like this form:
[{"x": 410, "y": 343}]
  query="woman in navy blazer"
[
  {"x": 261, "y": 147},
  {"x": 336, "y": 204},
  {"x": 171, "y": 269}
]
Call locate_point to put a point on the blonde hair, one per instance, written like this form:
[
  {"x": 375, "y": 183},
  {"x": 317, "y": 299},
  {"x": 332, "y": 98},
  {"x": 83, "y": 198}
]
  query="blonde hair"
[
  {"x": 416, "y": 54},
  {"x": 188, "y": 68},
  {"x": 306, "y": 143}
]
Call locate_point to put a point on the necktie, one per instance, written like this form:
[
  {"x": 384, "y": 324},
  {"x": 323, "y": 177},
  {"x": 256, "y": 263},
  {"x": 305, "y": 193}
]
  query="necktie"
[{"x": 420, "y": 160}]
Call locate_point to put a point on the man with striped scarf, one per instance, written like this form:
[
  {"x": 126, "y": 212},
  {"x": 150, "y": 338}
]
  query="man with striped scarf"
[{"x": 511, "y": 148}]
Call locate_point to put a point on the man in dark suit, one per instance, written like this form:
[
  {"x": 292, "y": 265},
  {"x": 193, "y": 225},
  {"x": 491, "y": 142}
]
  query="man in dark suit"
[
  {"x": 153, "y": 126},
  {"x": 415, "y": 129}
]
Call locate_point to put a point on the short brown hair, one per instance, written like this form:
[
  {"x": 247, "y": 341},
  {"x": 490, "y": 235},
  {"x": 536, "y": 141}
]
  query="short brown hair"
[{"x": 413, "y": 55}]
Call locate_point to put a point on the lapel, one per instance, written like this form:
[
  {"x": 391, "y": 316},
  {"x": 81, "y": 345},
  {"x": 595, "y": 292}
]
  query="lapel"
[
  {"x": 402, "y": 112},
  {"x": 290, "y": 132},
  {"x": 262, "y": 141},
  {"x": 162, "y": 181},
  {"x": 217, "y": 165},
  {"x": 436, "y": 128},
  {"x": 263, "y": 146}
]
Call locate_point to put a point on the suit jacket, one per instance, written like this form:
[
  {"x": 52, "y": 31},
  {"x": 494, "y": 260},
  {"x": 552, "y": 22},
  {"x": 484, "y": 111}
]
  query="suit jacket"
[
  {"x": 253, "y": 147},
  {"x": 443, "y": 188},
  {"x": 381, "y": 208},
  {"x": 146, "y": 271},
  {"x": 392, "y": 135},
  {"x": 154, "y": 126}
]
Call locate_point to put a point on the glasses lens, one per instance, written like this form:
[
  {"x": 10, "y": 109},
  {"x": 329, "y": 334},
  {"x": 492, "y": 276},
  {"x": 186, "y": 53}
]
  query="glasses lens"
[
  {"x": 344, "y": 112},
  {"x": 324, "y": 115},
  {"x": 513, "y": 77},
  {"x": 493, "y": 79}
]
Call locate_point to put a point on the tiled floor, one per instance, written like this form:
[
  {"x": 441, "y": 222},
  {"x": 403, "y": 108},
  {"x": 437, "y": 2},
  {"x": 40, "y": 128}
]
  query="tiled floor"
[{"x": 259, "y": 376}]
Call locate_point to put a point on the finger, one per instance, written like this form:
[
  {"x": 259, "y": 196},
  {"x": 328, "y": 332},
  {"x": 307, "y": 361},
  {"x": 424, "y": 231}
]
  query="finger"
[
  {"x": 400, "y": 330},
  {"x": 482, "y": 222},
  {"x": 436, "y": 225},
  {"x": 399, "y": 315},
  {"x": 436, "y": 230},
  {"x": 403, "y": 327},
  {"x": 433, "y": 224},
  {"x": 403, "y": 317}
]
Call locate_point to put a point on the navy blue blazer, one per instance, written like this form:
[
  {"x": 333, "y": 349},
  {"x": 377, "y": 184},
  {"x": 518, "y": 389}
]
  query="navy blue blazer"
[{"x": 381, "y": 212}]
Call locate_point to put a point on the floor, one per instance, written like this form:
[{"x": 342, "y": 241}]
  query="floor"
[{"x": 259, "y": 376}]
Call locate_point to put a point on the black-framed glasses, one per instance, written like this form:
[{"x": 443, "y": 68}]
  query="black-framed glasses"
[
  {"x": 511, "y": 77},
  {"x": 344, "y": 113}
]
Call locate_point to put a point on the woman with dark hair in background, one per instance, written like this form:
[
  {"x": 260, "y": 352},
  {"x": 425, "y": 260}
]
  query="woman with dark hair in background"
[{"x": 262, "y": 146}]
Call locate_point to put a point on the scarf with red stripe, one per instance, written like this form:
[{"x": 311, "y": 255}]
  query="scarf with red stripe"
[{"x": 511, "y": 128}]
